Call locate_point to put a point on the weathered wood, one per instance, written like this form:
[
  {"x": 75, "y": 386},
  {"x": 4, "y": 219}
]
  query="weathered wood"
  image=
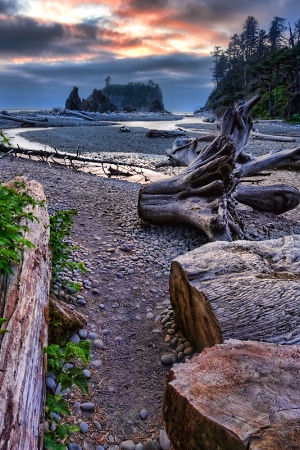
[
  {"x": 165, "y": 133},
  {"x": 270, "y": 160},
  {"x": 275, "y": 199},
  {"x": 24, "y": 303},
  {"x": 202, "y": 193},
  {"x": 25, "y": 120},
  {"x": 64, "y": 320},
  {"x": 81, "y": 114},
  {"x": 243, "y": 290},
  {"x": 235, "y": 396},
  {"x": 271, "y": 137}
]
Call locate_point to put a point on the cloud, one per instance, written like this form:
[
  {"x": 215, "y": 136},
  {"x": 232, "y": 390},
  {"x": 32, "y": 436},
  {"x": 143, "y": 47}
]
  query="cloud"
[
  {"x": 9, "y": 6},
  {"x": 45, "y": 86}
]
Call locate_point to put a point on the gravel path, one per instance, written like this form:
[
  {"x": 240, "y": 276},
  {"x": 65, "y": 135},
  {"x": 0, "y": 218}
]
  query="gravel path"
[{"x": 125, "y": 293}]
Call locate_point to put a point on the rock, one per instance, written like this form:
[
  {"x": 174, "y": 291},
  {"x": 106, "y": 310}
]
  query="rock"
[
  {"x": 84, "y": 428},
  {"x": 73, "y": 102},
  {"x": 74, "y": 446},
  {"x": 164, "y": 441},
  {"x": 83, "y": 334},
  {"x": 128, "y": 445},
  {"x": 88, "y": 406},
  {"x": 74, "y": 338},
  {"x": 98, "y": 102},
  {"x": 152, "y": 445},
  {"x": 143, "y": 414},
  {"x": 50, "y": 383},
  {"x": 167, "y": 359},
  {"x": 99, "y": 344},
  {"x": 98, "y": 425},
  {"x": 87, "y": 373},
  {"x": 139, "y": 446}
]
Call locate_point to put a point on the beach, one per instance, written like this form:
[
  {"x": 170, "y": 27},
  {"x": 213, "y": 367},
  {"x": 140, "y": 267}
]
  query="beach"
[{"x": 125, "y": 291}]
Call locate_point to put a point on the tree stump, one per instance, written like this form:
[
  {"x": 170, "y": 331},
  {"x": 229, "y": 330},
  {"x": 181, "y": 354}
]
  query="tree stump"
[
  {"x": 235, "y": 396},
  {"x": 243, "y": 290},
  {"x": 24, "y": 303}
]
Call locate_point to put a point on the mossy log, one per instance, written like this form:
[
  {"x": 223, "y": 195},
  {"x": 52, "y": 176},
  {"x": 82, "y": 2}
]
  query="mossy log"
[
  {"x": 242, "y": 290},
  {"x": 235, "y": 396},
  {"x": 24, "y": 303},
  {"x": 64, "y": 320}
]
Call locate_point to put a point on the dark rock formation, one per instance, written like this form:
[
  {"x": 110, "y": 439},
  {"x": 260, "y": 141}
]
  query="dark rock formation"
[
  {"x": 157, "y": 106},
  {"x": 73, "y": 102},
  {"x": 98, "y": 102}
]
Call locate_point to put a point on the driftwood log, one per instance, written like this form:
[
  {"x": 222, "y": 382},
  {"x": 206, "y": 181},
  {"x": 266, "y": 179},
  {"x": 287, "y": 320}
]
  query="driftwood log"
[
  {"x": 24, "y": 303},
  {"x": 235, "y": 396},
  {"x": 204, "y": 194},
  {"x": 242, "y": 290}
]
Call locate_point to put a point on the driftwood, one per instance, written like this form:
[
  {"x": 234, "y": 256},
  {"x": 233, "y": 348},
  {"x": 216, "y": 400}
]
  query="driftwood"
[
  {"x": 82, "y": 115},
  {"x": 268, "y": 137},
  {"x": 24, "y": 303},
  {"x": 182, "y": 154},
  {"x": 27, "y": 121},
  {"x": 64, "y": 320},
  {"x": 204, "y": 194},
  {"x": 165, "y": 133},
  {"x": 242, "y": 290},
  {"x": 235, "y": 396}
]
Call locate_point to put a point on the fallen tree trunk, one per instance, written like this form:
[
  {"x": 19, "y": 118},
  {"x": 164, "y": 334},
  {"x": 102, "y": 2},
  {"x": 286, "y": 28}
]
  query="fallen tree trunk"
[
  {"x": 269, "y": 137},
  {"x": 165, "y": 133},
  {"x": 24, "y": 303},
  {"x": 25, "y": 120},
  {"x": 235, "y": 396},
  {"x": 78, "y": 114},
  {"x": 241, "y": 290}
]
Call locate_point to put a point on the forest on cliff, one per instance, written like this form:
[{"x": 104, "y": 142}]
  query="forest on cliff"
[{"x": 259, "y": 62}]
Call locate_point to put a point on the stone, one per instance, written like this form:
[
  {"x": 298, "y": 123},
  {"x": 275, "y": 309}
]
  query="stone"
[
  {"x": 128, "y": 445},
  {"x": 83, "y": 334},
  {"x": 88, "y": 406},
  {"x": 164, "y": 441},
  {"x": 152, "y": 445},
  {"x": 74, "y": 446},
  {"x": 99, "y": 344},
  {"x": 74, "y": 338},
  {"x": 73, "y": 102},
  {"x": 143, "y": 414},
  {"x": 84, "y": 428},
  {"x": 167, "y": 359}
]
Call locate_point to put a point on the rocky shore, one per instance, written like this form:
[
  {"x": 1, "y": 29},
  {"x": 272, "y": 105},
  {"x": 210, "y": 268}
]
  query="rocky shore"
[{"x": 125, "y": 295}]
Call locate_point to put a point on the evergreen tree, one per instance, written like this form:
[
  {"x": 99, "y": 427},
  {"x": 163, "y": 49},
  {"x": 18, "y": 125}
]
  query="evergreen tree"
[
  {"x": 249, "y": 38},
  {"x": 277, "y": 38}
]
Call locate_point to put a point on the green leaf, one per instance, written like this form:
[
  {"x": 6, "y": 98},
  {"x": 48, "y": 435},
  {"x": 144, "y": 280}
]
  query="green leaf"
[
  {"x": 50, "y": 444},
  {"x": 57, "y": 404},
  {"x": 54, "y": 351},
  {"x": 65, "y": 381}
]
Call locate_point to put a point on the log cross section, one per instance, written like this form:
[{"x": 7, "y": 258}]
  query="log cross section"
[{"x": 24, "y": 303}]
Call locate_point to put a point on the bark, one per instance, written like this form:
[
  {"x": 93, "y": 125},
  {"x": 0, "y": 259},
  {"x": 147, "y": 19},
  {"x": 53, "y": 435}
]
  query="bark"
[
  {"x": 64, "y": 320},
  {"x": 82, "y": 115},
  {"x": 241, "y": 290},
  {"x": 24, "y": 303},
  {"x": 235, "y": 396}
]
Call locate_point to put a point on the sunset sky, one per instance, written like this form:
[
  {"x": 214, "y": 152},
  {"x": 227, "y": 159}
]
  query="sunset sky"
[{"x": 49, "y": 46}]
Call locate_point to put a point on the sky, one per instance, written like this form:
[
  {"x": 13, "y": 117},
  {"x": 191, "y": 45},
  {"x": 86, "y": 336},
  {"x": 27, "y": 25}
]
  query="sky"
[{"x": 49, "y": 46}]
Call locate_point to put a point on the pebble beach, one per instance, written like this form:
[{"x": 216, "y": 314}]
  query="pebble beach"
[{"x": 124, "y": 295}]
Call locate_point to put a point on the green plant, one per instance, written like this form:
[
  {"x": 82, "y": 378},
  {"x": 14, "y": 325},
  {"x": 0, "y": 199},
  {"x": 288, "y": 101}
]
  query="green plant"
[
  {"x": 4, "y": 139},
  {"x": 66, "y": 375},
  {"x": 13, "y": 200},
  {"x": 3, "y": 320},
  {"x": 60, "y": 227}
]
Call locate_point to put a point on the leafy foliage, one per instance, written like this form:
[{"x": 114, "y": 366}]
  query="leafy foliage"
[
  {"x": 13, "y": 200},
  {"x": 134, "y": 95},
  {"x": 2, "y": 321},
  {"x": 60, "y": 227},
  {"x": 66, "y": 375}
]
